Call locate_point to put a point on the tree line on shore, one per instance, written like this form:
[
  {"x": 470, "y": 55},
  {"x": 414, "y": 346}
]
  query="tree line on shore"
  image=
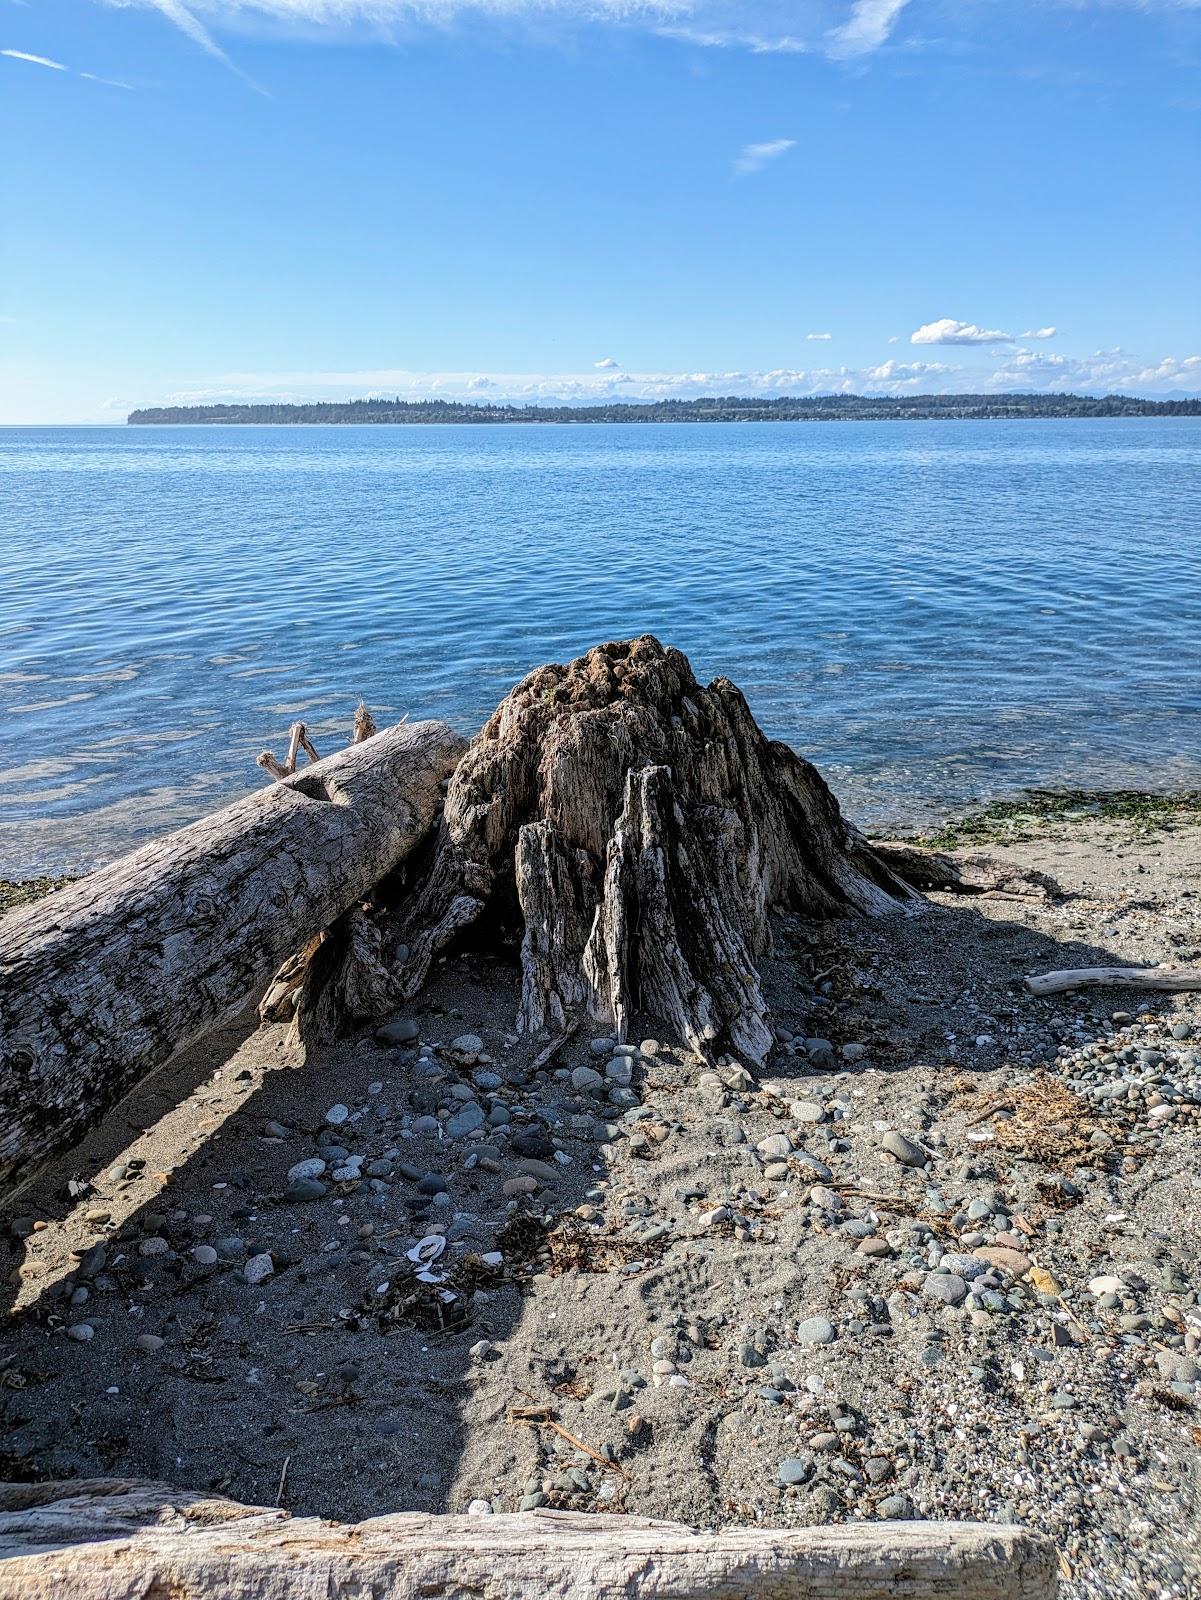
[{"x": 729, "y": 408}]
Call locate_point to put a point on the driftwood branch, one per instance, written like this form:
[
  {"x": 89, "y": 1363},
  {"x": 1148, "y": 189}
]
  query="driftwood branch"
[
  {"x": 967, "y": 875},
  {"x": 1169, "y": 978},
  {"x": 112, "y": 976},
  {"x": 127, "y": 1540},
  {"x": 298, "y": 740}
]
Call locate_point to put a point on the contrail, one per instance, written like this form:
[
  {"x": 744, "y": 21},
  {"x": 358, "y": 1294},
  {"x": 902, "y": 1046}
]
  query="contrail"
[{"x": 183, "y": 19}]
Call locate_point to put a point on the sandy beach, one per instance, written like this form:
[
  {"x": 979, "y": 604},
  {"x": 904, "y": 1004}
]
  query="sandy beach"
[{"x": 941, "y": 1259}]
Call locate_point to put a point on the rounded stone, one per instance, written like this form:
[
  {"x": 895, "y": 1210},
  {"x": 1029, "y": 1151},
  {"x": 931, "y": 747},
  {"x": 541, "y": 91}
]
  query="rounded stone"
[
  {"x": 817, "y": 1330},
  {"x": 398, "y": 1030},
  {"x": 905, "y": 1150},
  {"x": 948, "y": 1287}
]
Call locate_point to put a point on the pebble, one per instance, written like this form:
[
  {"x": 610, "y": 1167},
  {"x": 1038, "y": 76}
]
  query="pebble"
[
  {"x": 398, "y": 1030},
  {"x": 81, "y": 1332},
  {"x": 794, "y": 1470},
  {"x": 337, "y": 1114},
  {"x": 313, "y": 1167},
  {"x": 149, "y": 1342},
  {"x": 258, "y": 1267},
  {"x": 466, "y": 1121},
  {"x": 895, "y": 1508},
  {"x": 905, "y": 1150},
  {"x": 205, "y": 1255},
  {"x": 306, "y": 1189},
  {"x": 816, "y": 1330},
  {"x": 776, "y": 1144},
  {"x": 948, "y": 1287}
]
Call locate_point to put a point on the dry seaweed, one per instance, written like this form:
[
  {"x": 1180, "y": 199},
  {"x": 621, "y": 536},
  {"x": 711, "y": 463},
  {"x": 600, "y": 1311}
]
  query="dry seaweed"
[{"x": 1043, "y": 1121}]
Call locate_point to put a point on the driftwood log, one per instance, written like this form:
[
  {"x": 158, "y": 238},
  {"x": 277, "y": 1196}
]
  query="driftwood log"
[
  {"x": 1171, "y": 979},
  {"x": 631, "y": 831},
  {"x": 112, "y": 976},
  {"x": 125, "y": 1540},
  {"x": 966, "y": 875}
]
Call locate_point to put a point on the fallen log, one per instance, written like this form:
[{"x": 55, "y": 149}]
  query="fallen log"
[
  {"x": 110, "y": 977},
  {"x": 112, "y": 1539},
  {"x": 1172, "y": 979}
]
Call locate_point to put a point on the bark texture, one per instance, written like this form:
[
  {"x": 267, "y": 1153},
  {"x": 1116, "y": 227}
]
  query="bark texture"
[
  {"x": 117, "y": 1540},
  {"x": 110, "y": 977},
  {"x": 635, "y": 830}
]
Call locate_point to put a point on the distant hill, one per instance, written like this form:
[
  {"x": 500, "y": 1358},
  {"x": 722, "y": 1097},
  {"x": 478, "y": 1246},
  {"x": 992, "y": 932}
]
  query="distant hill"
[{"x": 730, "y": 408}]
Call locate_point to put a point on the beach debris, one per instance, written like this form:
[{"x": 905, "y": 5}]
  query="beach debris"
[{"x": 1171, "y": 979}]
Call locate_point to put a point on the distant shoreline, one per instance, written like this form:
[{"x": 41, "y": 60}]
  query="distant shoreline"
[{"x": 821, "y": 408}]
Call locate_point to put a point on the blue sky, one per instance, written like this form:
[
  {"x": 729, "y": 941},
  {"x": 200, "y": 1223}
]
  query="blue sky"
[{"x": 574, "y": 198}]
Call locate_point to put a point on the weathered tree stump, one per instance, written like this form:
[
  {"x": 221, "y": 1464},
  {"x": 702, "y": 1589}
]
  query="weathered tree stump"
[
  {"x": 115, "y": 1539},
  {"x": 110, "y": 977},
  {"x": 634, "y": 831}
]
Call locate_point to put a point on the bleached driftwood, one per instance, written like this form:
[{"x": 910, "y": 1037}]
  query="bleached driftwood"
[
  {"x": 1169, "y": 978},
  {"x": 298, "y": 740},
  {"x": 636, "y": 830},
  {"x": 115, "y": 974},
  {"x": 127, "y": 1540}
]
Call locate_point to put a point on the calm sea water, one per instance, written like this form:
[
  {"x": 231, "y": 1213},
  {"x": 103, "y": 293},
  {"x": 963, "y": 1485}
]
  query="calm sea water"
[{"x": 934, "y": 612}]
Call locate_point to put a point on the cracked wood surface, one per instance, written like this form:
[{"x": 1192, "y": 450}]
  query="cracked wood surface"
[
  {"x": 636, "y": 830},
  {"x": 110, "y": 977},
  {"x": 116, "y": 1539}
]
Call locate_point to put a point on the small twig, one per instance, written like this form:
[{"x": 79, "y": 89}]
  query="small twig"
[
  {"x": 551, "y": 1050},
  {"x": 540, "y": 1416},
  {"x": 283, "y": 1478}
]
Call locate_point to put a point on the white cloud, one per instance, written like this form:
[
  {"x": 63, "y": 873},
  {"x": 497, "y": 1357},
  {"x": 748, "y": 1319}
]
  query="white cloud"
[
  {"x": 895, "y": 375},
  {"x": 822, "y": 336},
  {"x": 948, "y": 330},
  {"x": 606, "y": 364},
  {"x": 760, "y": 26},
  {"x": 754, "y": 156},
  {"x": 1039, "y": 333},
  {"x": 866, "y": 29},
  {"x": 1104, "y": 372},
  {"x": 38, "y": 61}
]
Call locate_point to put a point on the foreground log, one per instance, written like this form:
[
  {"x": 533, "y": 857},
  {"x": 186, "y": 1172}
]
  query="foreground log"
[
  {"x": 633, "y": 831},
  {"x": 125, "y": 1540},
  {"x": 115, "y": 974}
]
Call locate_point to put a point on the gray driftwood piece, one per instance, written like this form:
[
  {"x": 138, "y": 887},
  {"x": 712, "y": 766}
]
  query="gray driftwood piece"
[
  {"x": 110, "y": 977},
  {"x": 128, "y": 1540},
  {"x": 1171, "y": 979}
]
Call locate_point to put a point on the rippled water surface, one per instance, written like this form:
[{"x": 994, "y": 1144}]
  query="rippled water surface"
[{"x": 934, "y": 612}]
